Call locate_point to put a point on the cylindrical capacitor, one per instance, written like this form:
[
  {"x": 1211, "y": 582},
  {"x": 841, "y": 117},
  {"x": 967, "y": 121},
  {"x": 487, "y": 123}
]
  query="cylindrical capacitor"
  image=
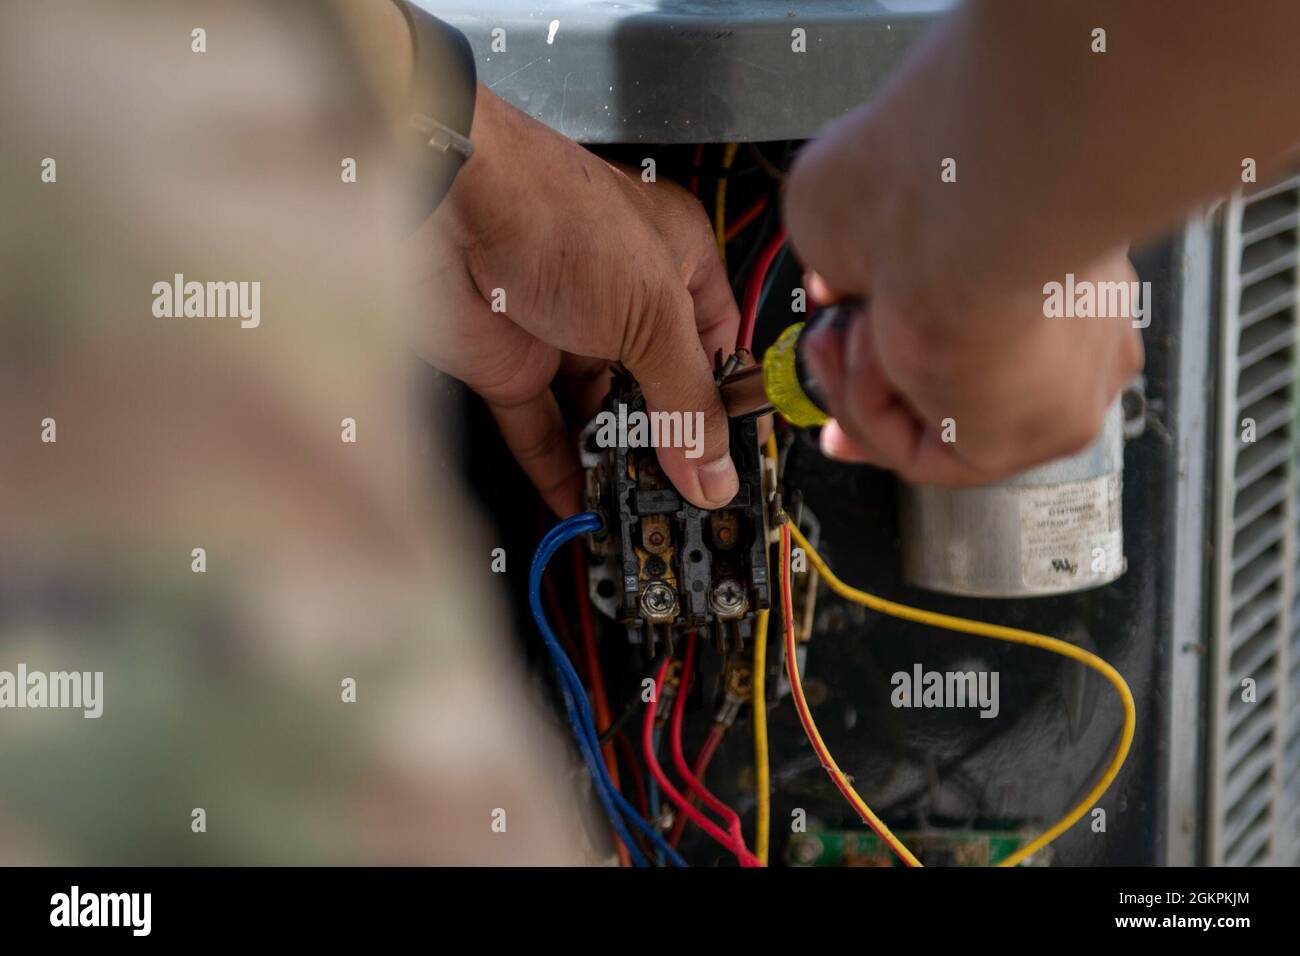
[{"x": 1054, "y": 529}]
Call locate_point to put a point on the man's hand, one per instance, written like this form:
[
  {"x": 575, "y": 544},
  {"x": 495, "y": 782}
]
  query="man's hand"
[
  {"x": 1019, "y": 389},
  {"x": 593, "y": 266},
  {"x": 955, "y": 325}
]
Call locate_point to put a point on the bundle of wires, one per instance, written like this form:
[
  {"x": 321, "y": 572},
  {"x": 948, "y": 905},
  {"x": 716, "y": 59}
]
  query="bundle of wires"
[
  {"x": 699, "y": 767},
  {"x": 946, "y": 622},
  {"x": 732, "y": 838},
  {"x": 809, "y": 725},
  {"x": 754, "y": 289},
  {"x": 576, "y": 705}
]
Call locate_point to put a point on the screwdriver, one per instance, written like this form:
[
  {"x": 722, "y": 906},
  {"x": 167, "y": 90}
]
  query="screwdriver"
[{"x": 783, "y": 382}]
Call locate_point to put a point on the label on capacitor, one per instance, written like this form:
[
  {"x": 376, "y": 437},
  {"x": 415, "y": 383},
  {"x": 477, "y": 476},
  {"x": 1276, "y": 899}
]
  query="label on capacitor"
[{"x": 1071, "y": 534}]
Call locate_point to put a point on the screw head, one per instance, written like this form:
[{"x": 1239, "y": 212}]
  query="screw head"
[
  {"x": 728, "y": 597},
  {"x": 658, "y": 600}
]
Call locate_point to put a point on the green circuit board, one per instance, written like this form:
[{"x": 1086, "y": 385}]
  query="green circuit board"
[{"x": 932, "y": 848}]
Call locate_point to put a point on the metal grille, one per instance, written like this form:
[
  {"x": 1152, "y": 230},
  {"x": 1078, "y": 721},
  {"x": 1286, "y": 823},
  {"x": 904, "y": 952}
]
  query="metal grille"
[{"x": 1254, "y": 747}]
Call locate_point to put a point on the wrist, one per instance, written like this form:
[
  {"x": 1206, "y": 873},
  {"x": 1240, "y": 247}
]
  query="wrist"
[{"x": 483, "y": 199}]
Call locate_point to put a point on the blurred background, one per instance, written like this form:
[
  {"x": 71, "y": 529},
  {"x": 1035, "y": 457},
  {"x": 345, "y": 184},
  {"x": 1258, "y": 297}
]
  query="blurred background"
[{"x": 325, "y": 561}]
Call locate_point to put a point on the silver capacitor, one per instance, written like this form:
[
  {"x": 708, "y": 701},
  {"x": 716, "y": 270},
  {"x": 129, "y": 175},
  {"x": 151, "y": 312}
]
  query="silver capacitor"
[{"x": 1055, "y": 529}]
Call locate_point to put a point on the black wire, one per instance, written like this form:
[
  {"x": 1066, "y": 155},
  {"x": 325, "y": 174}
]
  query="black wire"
[
  {"x": 621, "y": 720},
  {"x": 744, "y": 172},
  {"x": 766, "y": 230},
  {"x": 632, "y": 705}
]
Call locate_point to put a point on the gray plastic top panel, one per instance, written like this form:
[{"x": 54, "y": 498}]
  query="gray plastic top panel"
[{"x": 686, "y": 71}]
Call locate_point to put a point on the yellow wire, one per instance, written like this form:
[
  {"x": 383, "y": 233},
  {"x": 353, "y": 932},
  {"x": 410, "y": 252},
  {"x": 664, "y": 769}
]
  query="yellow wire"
[
  {"x": 810, "y": 727},
  {"x": 1015, "y": 636},
  {"x": 762, "y": 773},
  {"x": 720, "y": 202},
  {"x": 762, "y": 778}
]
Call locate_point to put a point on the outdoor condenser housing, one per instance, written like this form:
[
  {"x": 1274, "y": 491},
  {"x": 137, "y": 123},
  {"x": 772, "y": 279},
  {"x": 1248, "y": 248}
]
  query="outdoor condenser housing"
[{"x": 1208, "y": 603}]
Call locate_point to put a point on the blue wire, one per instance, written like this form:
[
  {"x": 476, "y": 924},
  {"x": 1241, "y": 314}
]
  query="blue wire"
[
  {"x": 578, "y": 693},
  {"x": 575, "y": 696},
  {"x": 551, "y": 543}
]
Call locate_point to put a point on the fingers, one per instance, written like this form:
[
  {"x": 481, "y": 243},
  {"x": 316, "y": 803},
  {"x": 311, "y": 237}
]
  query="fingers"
[
  {"x": 1131, "y": 361},
  {"x": 670, "y": 350},
  {"x": 664, "y": 353},
  {"x": 819, "y": 291},
  {"x": 688, "y": 235},
  {"x": 511, "y": 371},
  {"x": 873, "y": 425},
  {"x": 1074, "y": 374},
  {"x": 717, "y": 319},
  {"x": 586, "y": 382},
  {"x": 535, "y": 432},
  {"x": 596, "y": 263},
  {"x": 827, "y": 357}
]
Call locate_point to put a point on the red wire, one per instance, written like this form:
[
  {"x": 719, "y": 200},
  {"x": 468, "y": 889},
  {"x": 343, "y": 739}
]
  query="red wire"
[
  {"x": 679, "y": 759},
  {"x": 729, "y": 841},
  {"x": 699, "y": 158},
  {"x": 754, "y": 290},
  {"x": 796, "y": 687},
  {"x": 796, "y": 690},
  {"x": 737, "y": 225},
  {"x": 701, "y": 765}
]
